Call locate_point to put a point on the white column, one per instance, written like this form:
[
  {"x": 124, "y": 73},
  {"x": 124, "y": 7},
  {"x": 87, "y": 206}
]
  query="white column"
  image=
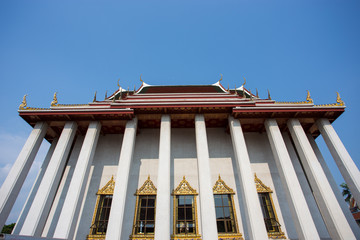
[
  {"x": 333, "y": 216},
  {"x": 17, "y": 175},
  {"x": 254, "y": 217},
  {"x": 162, "y": 220},
  {"x": 35, "y": 187},
  {"x": 206, "y": 195},
  {"x": 40, "y": 208},
  {"x": 344, "y": 206},
  {"x": 116, "y": 217},
  {"x": 70, "y": 210},
  {"x": 346, "y": 165},
  {"x": 304, "y": 224}
]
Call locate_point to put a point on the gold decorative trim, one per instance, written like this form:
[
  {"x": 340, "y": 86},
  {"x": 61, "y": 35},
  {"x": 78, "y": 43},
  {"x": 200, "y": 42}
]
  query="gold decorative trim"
[
  {"x": 220, "y": 187},
  {"x": 262, "y": 188},
  {"x": 141, "y": 237},
  {"x": 108, "y": 189},
  {"x": 54, "y": 101},
  {"x": 148, "y": 188},
  {"x": 71, "y": 105},
  {"x": 230, "y": 236},
  {"x": 184, "y": 188}
]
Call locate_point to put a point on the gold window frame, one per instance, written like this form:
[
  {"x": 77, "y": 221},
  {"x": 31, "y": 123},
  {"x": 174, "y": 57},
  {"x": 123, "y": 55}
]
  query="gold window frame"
[
  {"x": 148, "y": 188},
  {"x": 262, "y": 188},
  {"x": 221, "y": 188},
  {"x": 184, "y": 188},
  {"x": 108, "y": 189}
]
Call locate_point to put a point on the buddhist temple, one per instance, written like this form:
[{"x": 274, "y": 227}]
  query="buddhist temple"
[{"x": 182, "y": 162}]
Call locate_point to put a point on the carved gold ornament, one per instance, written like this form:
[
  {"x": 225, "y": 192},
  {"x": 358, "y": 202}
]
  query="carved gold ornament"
[
  {"x": 94, "y": 100},
  {"x": 23, "y": 103},
  {"x": 54, "y": 101},
  {"x": 261, "y": 187},
  {"x": 148, "y": 188},
  {"x": 308, "y": 98},
  {"x": 220, "y": 187},
  {"x": 338, "y": 100},
  {"x": 108, "y": 189},
  {"x": 221, "y": 77},
  {"x": 184, "y": 188}
]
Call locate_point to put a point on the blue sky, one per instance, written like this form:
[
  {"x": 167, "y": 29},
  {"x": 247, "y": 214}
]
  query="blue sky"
[{"x": 79, "y": 47}]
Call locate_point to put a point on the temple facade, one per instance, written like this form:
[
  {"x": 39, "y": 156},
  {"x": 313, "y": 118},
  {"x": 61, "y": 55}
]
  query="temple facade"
[{"x": 183, "y": 162}]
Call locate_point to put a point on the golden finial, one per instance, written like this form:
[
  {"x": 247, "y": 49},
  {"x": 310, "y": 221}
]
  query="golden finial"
[
  {"x": 228, "y": 87},
  {"x": 106, "y": 94},
  {"x": 54, "y": 101},
  {"x": 251, "y": 96},
  {"x": 23, "y": 103},
  {"x": 141, "y": 79},
  {"x": 118, "y": 82},
  {"x": 339, "y": 101},
  {"x": 308, "y": 98},
  {"x": 235, "y": 90},
  {"x": 269, "y": 97},
  {"x": 221, "y": 77},
  {"x": 94, "y": 100},
  {"x": 134, "y": 88},
  {"x": 243, "y": 92},
  {"x": 113, "y": 100},
  {"x": 244, "y": 82},
  {"x": 257, "y": 94}
]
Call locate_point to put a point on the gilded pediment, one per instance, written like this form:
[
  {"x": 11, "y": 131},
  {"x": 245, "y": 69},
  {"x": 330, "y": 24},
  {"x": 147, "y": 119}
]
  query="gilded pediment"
[
  {"x": 148, "y": 188},
  {"x": 184, "y": 188},
  {"x": 108, "y": 189},
  {"x": 260, "y": 186},
  {"x": 220, "y": 187}
]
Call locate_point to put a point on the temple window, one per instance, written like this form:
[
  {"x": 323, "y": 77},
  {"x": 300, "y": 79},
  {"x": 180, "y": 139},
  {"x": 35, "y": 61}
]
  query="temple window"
[
  {"x": 272, "y": 224},
  {"x": 185, "y": 212},
  {"x": 102, "y": 211},
  {"x": 225, "y": 211},
  {"x": 145, "y": 210}
]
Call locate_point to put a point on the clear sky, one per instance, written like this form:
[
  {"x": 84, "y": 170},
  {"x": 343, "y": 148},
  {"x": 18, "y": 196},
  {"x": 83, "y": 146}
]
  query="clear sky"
[{"x": 79, "y": 47}]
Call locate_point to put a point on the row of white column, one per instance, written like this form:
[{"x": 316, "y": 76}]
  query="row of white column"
[{"x": 47, "y": 182}]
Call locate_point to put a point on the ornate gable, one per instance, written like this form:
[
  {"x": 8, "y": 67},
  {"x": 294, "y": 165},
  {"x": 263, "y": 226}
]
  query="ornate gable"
[
  {"x": 220, "y": 187},
  {"x": 184, "y": 188},
  {"x": 148, "y": 188},
  {"x": 108, "y": 189},
  {"x": 260, "y": 186}
]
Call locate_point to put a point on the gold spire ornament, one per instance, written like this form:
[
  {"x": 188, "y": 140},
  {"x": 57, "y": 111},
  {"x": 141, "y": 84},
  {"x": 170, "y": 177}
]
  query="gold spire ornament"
[
  {"x": 235, "y": 90},
  {"x": 54, "y": 101},
  {"x": 251, "y": 96},
  {"x": 221, "y": 77},
  {"x": 308, "y": 98},
  {"x": 257, "y": 94},
  {"x": 228, "y": 88},
  {"x": 244, "y": 82},
  {"x": 141, "y": 79},
  {"x": 94, "y": 100},
  {"x": 118, "y": 83},
  {"x": 23, "y": 103},
  {"x": 339, "y": 102},
  {"x": 269, "y": 97},
  {"x": 106, "y": 94}
]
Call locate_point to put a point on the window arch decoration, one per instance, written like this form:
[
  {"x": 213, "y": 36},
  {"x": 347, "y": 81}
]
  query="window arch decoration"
[
  {"x": 102, "y": 211},
  {"x": 272, "y": 224},
  {"x": 224, "y": 201},
  {"x": 186, "y": 228},
  {"x": 144, "y": 216}
]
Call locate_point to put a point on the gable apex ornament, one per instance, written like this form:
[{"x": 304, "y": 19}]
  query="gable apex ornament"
[
  {"x": 148, "y": 188},
  {"x": 108, "y": 189},
  {"x": 308, "y": 98},
  {"x": 54, "y": 101},
  {"x": 184, "y": 188},
  {"x": 23, "y": 103},
  {"x": 261, "y": 187},
  {"x": 339, "y": 102},
  {"x": 220, "y": 187}
]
